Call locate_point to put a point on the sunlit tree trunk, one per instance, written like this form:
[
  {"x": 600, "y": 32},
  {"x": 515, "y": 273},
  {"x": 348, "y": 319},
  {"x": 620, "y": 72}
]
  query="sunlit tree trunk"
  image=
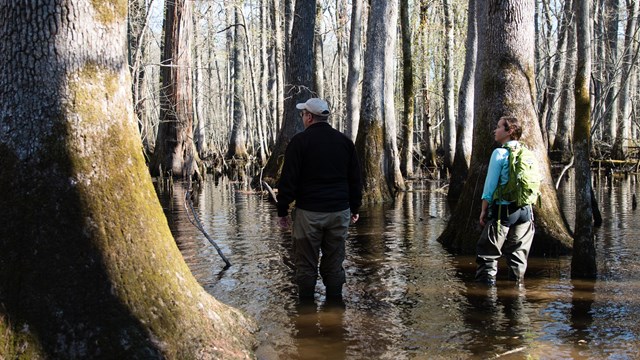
[
  {"x": 620, "y": 145},
  {"x": 464, "y": 125},
  {"x": 238, "y": 138},
  {"x": 373, "y": 143},
  {"x": 583, "y": 262},
  {"x": 299, "y": 86},
  {"x": 408, "y": 92},
  {"x": 505, "y": 86},
  {"x": 355, "y": 69},
  {"x": 558, "y": 75},
  {"x": 136, "y": 30},
  {"x": 449, "y": 135},
  {"x": 561, "y": 149},
  {"x": 263, "y": 102},
  {"x": 175, "y": 151},
  {"x": 279, "y": 66},
  {"x": 88, "y": 266},
  {"x": 318, "y": 62},
  {"x": 612, "y": 19}
]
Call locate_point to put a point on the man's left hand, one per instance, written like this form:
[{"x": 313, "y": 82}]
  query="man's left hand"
[{"x": 284, "y": 222}]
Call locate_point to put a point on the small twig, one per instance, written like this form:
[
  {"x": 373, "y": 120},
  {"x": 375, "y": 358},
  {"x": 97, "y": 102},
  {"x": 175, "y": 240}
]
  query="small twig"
[
  {"x": 510, "y": 352},
  {"x": 270, "y": 191},
  {"x": 567, "y": 167},
  {"x": 198, "y": 224}
]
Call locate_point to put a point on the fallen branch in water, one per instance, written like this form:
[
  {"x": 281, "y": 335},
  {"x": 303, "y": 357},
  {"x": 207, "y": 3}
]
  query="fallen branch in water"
[
  {"x": 270, "y": 191},
  {"x": 509, "y": 352},
  {"x": 198, "y": 224}
]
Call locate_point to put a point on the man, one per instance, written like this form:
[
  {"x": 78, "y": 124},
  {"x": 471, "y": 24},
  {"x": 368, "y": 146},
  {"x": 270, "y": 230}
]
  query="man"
[
  {"x": 322, "y": 174},
  {"x": 507, "y": 229}
]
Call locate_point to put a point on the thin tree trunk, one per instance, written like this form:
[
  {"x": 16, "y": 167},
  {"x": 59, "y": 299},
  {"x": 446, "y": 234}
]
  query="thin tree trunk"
[
  {"x": 583, "y": 262},
  {"x": 620, "y": 144},
  {"x": 238, "y": 138},
  {"x": 449, "y": 136},
  {"x": 464, "y": 139},
  {"x": 355, "y": 68},
  {"x": 279, "y": 66},
  {"x": 408, "y": 92},
  {"x": 561, "y": 150},
  {"x": 613, "y": 75},
  {"x": 88, "y": 266},
  {"x": 559, "y": 69},
  {"x": 318, "y": 61}
]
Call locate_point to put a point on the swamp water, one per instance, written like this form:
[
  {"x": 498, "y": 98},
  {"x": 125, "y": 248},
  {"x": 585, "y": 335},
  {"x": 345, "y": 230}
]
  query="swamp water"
[{"x": 408, "y": 298}]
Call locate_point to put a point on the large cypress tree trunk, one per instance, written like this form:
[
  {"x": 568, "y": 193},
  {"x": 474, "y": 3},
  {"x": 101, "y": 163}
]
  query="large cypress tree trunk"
[
  {"x": 238, "y": 137},
  {"x": 88, "y": 266},
  {"x": 583, "y": 262},
  {"x": 505, "y": 86},
  {"x": 299, "y": 85},
  {"x": 175, "y": 151},
  {"x": 375, "y": 140}
]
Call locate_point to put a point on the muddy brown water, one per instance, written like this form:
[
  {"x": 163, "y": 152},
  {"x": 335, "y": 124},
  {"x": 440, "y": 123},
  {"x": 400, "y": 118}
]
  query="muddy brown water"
[{"x": 408, "y": 298}]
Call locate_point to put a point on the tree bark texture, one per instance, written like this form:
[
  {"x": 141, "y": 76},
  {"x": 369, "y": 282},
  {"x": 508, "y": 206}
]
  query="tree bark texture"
[
  {"x": 612, "y": 20},
  {"x": 620, "y": 145},
  {"x": 299, "y": 84},
  {"x": 175, "y": 151},
  {"x": 408, "y": 92},
  {"x": 464, "y": 124},
  {"x": 449, "y": 133},
  {"x": 88, "y": 266},
  {"x": 373, "y": 144},
  {"x": 583, "y": 262},
  {"x": 558, "y": 74},
  {"x": 505, "y": 86},
  {"x": 561, "y": 149},
  {"x": 355, "y": 71},
  {"x": 238, "y": 138}
]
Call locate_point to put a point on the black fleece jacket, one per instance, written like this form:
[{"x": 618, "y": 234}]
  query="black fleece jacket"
[{"x": 321, "y": 172}]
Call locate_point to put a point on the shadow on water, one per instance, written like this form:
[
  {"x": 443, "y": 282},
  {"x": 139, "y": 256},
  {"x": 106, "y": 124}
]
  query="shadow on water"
[{"x": 406, "y": 297}]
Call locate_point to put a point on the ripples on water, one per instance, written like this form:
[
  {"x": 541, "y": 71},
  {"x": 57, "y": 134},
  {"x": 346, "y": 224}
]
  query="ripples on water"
[{"x": 406, "y": 297}]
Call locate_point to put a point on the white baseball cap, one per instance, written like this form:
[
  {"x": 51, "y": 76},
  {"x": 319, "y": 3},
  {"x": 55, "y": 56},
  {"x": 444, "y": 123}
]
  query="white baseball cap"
[{"x": 315, "y": 106}]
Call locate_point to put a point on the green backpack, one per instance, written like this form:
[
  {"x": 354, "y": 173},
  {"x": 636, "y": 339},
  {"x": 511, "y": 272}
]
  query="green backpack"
[{"x": 523, "y": 187}]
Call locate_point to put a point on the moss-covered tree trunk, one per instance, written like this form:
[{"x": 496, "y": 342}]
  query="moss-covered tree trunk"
[
  {"x": 175, "y": 151},
  {"x": 583, "y": 262},
  {"x": 298, "y": 87},
  {"x": 88, "y": 266},
  {"x": 504, "y": 86},
  {"x": 375, "y": 142}
]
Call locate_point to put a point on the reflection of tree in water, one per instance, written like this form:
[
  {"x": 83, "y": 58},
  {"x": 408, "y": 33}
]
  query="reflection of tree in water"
[
  {"x": 582, "y": 298},
  {"x": 499, "y": 318}
]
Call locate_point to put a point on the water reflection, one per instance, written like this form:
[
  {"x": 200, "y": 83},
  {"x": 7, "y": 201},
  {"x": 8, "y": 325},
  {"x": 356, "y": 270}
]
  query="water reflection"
[{"x": 405, "y": 296}]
